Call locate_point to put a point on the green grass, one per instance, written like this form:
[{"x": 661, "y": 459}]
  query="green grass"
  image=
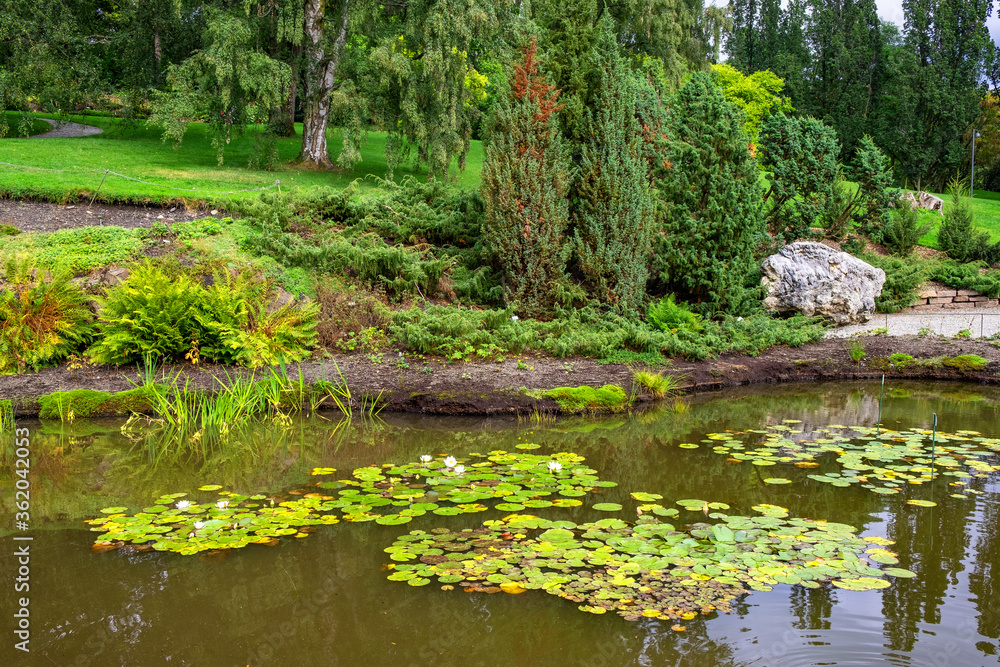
[
  {"x": 140, "y": 153},
  {"x": 14, "y": 120}
]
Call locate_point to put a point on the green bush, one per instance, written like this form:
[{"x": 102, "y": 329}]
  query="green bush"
[
  {"x": 589, "y": 332},
  {"x": 247, "y": 329},
  {"x": 958, "y": 234},
  {"x": 155, "y": 316},
  {"x": 667, "y": 315},
  {"x": 43, "y": 319},
  {"x": 902, "y": 278},
  {"x": 713, "y": 222},
  {"x": 965, "y": 276},
  {"x": 903, "y": 229},
  {"x": 150, "y": 315}
]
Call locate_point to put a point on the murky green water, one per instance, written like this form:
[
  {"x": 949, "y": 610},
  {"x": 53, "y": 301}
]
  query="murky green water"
[{"x": 325, "y": 600}]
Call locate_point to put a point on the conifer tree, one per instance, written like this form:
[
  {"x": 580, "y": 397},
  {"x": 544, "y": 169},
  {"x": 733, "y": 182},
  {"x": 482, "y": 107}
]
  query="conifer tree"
[
  {"x": 958, "y": 235},
  {"x": 613, "y": 210},
  {"x": 713, "y": 222},
  {"x": 525, "y": 182}
]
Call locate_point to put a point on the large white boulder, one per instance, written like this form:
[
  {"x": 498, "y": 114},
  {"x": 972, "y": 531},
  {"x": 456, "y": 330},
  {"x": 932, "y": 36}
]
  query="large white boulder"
[{"x": 814, "y": 279}]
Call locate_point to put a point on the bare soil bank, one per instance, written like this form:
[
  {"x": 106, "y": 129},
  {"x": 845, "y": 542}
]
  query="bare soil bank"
[{"x": 493, "y": 388}]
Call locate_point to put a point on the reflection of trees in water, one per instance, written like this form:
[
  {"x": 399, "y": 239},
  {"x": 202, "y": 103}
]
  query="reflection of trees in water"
[
  {"x": 931, "y": 542},
  {"x": 811, "y": 608},
  {"x": 986, "y": 565}
]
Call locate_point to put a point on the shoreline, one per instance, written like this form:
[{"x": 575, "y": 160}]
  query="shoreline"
[{"x": 434, "y": 386}]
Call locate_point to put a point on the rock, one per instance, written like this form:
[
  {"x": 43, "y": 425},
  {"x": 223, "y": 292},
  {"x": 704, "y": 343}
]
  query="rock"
[
  {"x": 279, "y": 299},
  {"x": 925, "y": 200},
  {"x": 816, "y": 280},
  {"x": 107, "y": 277}
]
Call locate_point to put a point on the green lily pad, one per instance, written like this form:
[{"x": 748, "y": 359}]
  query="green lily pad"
[{"x": 607, "y": 507}]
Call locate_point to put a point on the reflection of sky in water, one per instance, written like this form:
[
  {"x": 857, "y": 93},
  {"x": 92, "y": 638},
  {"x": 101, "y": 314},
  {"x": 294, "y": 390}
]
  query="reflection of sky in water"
[{"x": 325, "y": 601}]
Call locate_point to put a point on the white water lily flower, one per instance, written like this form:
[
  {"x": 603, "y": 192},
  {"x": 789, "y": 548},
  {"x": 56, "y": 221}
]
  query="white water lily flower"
[
  {"x": 459, "y": 469},
  {"x": 555, "y": 466},
  {"x": 450, "y": 461},
  {"x": 198, "y": 525},
  {"x": 183, "y": 504},
  {"x": 222, "y": 504},
  {"x": 426, "y": 458}
]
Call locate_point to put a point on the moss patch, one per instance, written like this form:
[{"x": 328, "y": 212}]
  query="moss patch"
[
  {"x": 966, "y": 362},
  {"x": 90, "y": 403},
  {"x": 609, "y": 398}
]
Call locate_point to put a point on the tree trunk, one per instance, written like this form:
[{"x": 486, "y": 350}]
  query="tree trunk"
[{"x": 320, "y": 75}]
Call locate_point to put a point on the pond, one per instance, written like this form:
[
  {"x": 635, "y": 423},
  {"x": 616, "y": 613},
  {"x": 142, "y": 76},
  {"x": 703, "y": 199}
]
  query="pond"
[{"x": 326, "y": 599}]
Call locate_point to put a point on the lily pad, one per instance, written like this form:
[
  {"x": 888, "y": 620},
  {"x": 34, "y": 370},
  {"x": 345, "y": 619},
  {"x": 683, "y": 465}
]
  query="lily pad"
[{"x": 607, "y": 507}]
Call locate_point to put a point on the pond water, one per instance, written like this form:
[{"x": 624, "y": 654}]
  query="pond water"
[{"x": 325, "y": 600}]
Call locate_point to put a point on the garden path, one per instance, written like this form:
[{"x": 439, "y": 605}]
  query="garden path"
[
  {"x": 982, "y": 322},
  {"x": 66, "y": 130}
]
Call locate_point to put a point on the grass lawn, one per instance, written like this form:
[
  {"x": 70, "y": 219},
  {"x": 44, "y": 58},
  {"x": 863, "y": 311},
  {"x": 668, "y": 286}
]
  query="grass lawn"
[{"x": 139, "y": 153}]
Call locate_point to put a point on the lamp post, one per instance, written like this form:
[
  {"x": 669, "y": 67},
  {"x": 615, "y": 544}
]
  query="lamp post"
[{"x": 972, "y": 178}]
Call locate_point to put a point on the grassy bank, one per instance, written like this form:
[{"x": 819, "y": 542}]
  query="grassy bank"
[{"x": 139, "y": 152}]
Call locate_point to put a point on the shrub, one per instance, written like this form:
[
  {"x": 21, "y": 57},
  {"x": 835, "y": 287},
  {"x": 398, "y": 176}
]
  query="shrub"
[
  {"x": 244, "y": 325},
  {"x": 43, "y": 318},
  {"x": 713, "y": 222},
  {"x": 958, "y": 235},
  {"x": 667, "y": 315},
  {"x": 856, "y": 350},
  {"x": 965, "y": 276},
  {"x": 525, "y": 181},
  {"x": 150, "y": 315},
  {"x": 903, "y": 229},
  {"x": 802, "y": 155},
  {"x": 613, "y": 207},
  {"x": 235, "y": 320},
  {"x": 902, "y": 278}
]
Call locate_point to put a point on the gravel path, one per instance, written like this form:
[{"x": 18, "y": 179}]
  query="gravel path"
[
  {"x": 66, "y": 130},
  {"x": 980, "y": 321}
]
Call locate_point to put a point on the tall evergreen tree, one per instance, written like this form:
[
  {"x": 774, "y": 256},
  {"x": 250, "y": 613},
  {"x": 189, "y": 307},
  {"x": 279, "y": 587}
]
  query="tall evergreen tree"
[
  {"x": 714, "y": 220},
  {"x": 613, "y": 211},
  {"x": 525, "y": 183},
  {"x": 941, "y": 67}
]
